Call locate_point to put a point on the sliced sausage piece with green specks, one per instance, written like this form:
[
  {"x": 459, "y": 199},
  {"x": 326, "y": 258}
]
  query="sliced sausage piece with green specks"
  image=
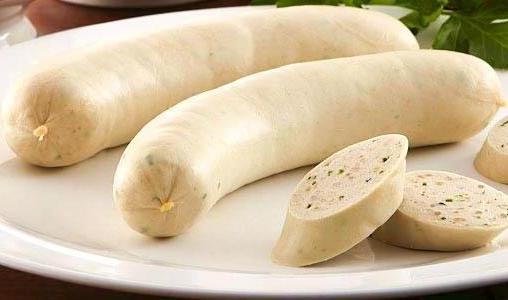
[
  {"x": 343, "y": 200},
  {"x": 492, "y": 160},
  {"x": 445, "y": 212}
]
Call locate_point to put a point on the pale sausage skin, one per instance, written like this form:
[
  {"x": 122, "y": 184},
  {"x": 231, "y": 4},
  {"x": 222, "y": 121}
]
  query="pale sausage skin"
[
  {"x": 193, "y": 154},
  {"x": 75, "y": 106},
  {"x": 492, "y": 160}
]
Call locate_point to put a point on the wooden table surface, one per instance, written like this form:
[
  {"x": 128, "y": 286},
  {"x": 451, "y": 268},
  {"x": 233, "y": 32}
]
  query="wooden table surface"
[{"x": 50, "y": 16}]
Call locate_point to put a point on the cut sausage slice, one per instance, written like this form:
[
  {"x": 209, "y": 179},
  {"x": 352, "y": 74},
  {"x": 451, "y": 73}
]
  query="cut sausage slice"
[
  {"x": 445, "y": 212},
  {"x": 343, "y": 200},
  {"x": 492, "y": 160}
]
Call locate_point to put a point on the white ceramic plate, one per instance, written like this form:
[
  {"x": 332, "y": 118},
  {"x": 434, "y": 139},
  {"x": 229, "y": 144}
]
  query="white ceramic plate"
[
  {"x": 14, "y": 27},
  {"x": 61, "y": 223}
]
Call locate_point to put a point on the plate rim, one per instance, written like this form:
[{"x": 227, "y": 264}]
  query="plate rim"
[{"x": 22, "y": 239}]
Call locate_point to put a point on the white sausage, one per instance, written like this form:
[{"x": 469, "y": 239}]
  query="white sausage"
[
  {"x": 341, "y": 201},
  {"x": 193, "y": 154},
  {"x": 76, "y": 106}
]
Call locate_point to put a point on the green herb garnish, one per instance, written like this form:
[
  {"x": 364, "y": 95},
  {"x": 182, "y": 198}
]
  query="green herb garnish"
[{"x": 149, "y": 159}]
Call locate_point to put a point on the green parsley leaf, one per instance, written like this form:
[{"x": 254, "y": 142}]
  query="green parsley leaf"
[
  {"x": 451, "y": 37},
  {"x": 262, "y": 2},
  {"x": 355, "y": 3},
  {"x": 413, "y": 21},
  {"x": 464, "y": 5},
  {"x": 425, "y": 12},
  {"x": 424, "y": 7},
  {"x": 483, "y": 33},
  {"x": 488, "y": 41}
]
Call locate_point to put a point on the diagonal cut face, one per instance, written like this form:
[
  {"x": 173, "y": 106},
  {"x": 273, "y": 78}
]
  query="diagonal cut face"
[{"x": 347, "y": 177}]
